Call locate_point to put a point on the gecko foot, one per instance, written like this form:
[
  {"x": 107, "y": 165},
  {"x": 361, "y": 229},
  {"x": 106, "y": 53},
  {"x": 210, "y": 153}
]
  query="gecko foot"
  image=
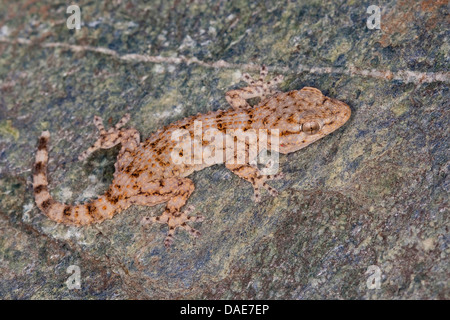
[
  {"x": 256, "y": 88},
  {"x": 261, "y": 182},
  {"x": 110, "y": 138},
  {"x": 174, "y": 220},
  {"x": 269, "y": 87}
]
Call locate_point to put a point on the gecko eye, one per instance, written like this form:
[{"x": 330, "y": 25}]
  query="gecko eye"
[{"x": 311, "y": 127}]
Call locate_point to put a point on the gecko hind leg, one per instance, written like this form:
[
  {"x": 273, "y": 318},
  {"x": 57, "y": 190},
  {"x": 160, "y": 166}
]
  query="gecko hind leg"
[
  {"x": 177, "y": 191},
  {"x": 256, "y": 88},
  {"x": 128, "y": 138},
  {"x": 176, "y": 220}
]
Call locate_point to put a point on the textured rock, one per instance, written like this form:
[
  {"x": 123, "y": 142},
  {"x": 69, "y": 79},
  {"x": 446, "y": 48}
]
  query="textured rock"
[{"x": 374, "y": 193}]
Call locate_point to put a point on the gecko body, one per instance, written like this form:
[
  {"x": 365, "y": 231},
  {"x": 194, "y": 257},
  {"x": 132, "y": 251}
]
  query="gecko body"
[{"x": 146, "y": 173}]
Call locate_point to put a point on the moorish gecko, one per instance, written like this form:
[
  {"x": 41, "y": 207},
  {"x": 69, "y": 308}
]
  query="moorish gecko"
[{"x": 145, "y": 173}]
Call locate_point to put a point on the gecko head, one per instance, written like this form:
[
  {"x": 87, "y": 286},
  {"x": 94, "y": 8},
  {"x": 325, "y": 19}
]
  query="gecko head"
[{"x": 309, "y": 116}]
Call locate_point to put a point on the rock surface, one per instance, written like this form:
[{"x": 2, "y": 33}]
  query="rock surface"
[{"x": 374, "y": 193}]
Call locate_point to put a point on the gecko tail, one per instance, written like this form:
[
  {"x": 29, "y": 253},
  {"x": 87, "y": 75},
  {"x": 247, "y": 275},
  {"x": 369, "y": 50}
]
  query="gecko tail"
[{"x": 93, "y": 212}]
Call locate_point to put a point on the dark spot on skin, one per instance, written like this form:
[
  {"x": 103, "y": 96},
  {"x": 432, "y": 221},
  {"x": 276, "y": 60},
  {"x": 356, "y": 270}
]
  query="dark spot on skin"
[
  {"x": 113, "y": 200},
  {"x": 153, "y": 193},
  {"x": 39, "y": 167},
  {"x": 128, "y": 168},
  {"x": 38, "y": 189},
  {"x": 47, "y": 204},
  {"x": 176, "y": 213},
  {"x": 91, "y": 208},
  {"x": 276, "y": 121},
  {"x": 248, "y": 125},
  {"x": 42, "y": 143},
  {"x": 136, "y": 173},
  {"x": 67, "y": 210},
  {"x": 161, "y": 163},
  {"x": 162, "y": 149},
  {"x": 237, "y": 169},
  {"x": 291, "y": 118},
  {"x": 153, "y": 144},
  {"x": 288, "y": 132}
]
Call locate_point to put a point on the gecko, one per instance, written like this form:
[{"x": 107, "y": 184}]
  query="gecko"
[{"x": 146, "y": 175}]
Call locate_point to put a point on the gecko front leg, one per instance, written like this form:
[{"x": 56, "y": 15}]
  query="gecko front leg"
[
  {"x": 175, "y": 191},
  {"x": 257, "y": 88},
  {"x": 258, "y": 180}
]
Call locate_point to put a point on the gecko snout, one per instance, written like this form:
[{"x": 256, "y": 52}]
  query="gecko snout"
[{"x": 341, "y": 111}]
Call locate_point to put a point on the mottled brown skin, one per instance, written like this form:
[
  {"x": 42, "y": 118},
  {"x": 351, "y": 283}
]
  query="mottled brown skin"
[{"x": 146, "y": 174}]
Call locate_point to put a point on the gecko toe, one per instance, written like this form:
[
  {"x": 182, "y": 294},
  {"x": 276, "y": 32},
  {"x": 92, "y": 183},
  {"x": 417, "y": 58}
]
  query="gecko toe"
[
  {"x": 262, "y": 72},
  {"x": 273, "y": 192},
  {"x": 248, "y": 78},
  {"x": 278, "y": 79},
  {"x": 195, "y": 233},
  {"x": 189, "y": 210},
  {"x": 168, "y": 241},
  {"x": 147, "y": 220},
  {"x": 197, "y": 218},
  {"x": 278, "y": 176},
  {"x": 256, "y": 195}
]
